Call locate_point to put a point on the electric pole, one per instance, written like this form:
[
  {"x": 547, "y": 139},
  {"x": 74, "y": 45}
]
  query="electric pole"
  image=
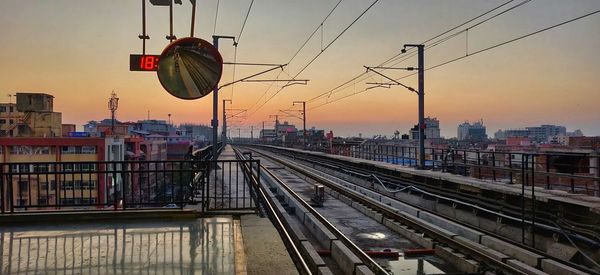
[
  {"x": 252, "y": 134},
  {"x": 421, "y": 93},
  {"x": 263, "y": 133},
  {"x": 224, "y": 132},
  {"x": 303, "y": 120},
  {"x": 215, "y": 119}
]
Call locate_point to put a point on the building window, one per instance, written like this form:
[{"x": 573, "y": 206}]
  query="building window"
[
  {"x": 41, "y": 150},
  {"x": 67, "y": 185},
  {"x": 43, "y": 200},
  {"x": 41, "y": 168},
  {"x": 2, "y": 121},
  {"x": 68, "y": 167},
  {"x": 88, "y": 167},
  {"x": 19, "y": 168},
  {"x": 67, "y": 201},
  {"x": 89, "y": 185},
  {"x": 88, "y": 149},
  {"x": 2, "y": 109},
  {"x": 23, "y": 185},
  {"x": 20, "y": 150},
  {"x": 21, "y": 202},
  {"x": 69, "y": 149}
]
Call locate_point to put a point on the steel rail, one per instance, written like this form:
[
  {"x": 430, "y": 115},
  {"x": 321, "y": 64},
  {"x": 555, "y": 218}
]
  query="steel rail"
[
  {"x": 542, "y": 253},
  {"x": 351, "y": 245},
  {"x": 276, "y": 219},
  {"x": 473, "y": 252}
]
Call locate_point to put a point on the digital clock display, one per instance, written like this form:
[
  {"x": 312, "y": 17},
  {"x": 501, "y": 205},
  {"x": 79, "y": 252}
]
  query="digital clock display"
[{"x": 145, "y": 63}]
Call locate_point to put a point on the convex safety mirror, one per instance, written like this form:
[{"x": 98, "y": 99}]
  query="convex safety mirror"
[{"x": 190, "y": 68}]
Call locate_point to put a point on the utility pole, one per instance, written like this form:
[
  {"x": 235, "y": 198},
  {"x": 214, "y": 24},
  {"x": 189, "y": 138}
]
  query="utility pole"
[
  {"x": 421, "y": 93},
  {"x": 224, "y": 132},
  {"x": 215, "y": 119},
  {"x": 239, "y": 135},
  {"x": 252, "y": 134},
  {"x": 303, "y": 120},
  {"x": 276, "y": 124},
  {"x": 263, "y": 133}
]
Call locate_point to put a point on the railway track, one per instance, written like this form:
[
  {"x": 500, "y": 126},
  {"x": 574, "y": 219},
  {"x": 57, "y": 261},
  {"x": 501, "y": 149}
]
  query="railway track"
[{"x": 423, "y": 221}]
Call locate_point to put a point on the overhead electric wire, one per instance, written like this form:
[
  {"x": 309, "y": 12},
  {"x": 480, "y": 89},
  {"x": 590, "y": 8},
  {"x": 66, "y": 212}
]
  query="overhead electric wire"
[
  {"x": 239, "y": 37},
  {"x": 412, "y": 52},
  {"x": 321, "y": 52},
  {"x": 235, "y": 44},
  {"x": 298, "y": 51},
  {"x": 474, "y": 53}
]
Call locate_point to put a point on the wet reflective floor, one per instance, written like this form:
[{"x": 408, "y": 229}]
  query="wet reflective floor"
[{"x": 199, "y": 246}]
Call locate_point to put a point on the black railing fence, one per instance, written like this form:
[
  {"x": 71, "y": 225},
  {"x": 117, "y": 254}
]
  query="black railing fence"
[
  {"x": 122, "y": 185},
  {"x": 571, "y": 172}
]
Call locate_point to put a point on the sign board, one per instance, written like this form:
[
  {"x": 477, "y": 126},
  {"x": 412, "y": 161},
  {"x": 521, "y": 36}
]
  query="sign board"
[
  {"x": 79, "y": 134},
  {"x": 190, "y": 68},
  {"x": 143, "y": 63}
]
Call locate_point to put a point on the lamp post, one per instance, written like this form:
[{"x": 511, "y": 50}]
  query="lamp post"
[{"x": 303, "y": 119}]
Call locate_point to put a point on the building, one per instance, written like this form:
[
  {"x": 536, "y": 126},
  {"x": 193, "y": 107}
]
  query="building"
[
  {"x": 197, "y": 132},
  {"x": 544, "y": 132},
  {"x": 8, "y": 118},
  {"x": 82, "y": 180},
  {"x": 473, "y": 132},
  {"x": 504, "y": 134},
  {"x": 286, "y": 133},
  {"x": 539, "y": 134},
  {"x": 31, "y": 116},
  {"x": 432, "y": 129}
]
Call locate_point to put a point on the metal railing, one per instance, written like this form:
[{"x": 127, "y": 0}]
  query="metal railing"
[
  {"x": 571, "y": 172},
  {"x": 64, "y": 186}
]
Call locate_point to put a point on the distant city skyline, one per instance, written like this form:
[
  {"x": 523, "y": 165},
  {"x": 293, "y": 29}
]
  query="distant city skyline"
[{"x": 78, "y": 52}]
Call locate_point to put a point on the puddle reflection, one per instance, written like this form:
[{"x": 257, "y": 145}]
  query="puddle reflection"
[{"x": 202, "y": 246}]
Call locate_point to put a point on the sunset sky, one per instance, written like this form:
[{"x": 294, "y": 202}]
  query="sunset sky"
[{"x": 78, "y": 51}]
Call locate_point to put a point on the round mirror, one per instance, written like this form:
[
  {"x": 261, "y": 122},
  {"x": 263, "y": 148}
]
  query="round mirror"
[{"x": 190, "y": 68}]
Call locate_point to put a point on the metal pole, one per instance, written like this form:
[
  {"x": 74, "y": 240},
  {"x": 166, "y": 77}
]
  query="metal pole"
[
  {"x": 252, "y": 134},
  {"x": 263, "y": 132},
  {"x": 193, "y": 18},
  {"x": 171, "y": 37},
  {"x": 215, "y": 120},
  {"x": 304, "y": 121},
  {"x": 224, "y": 132},
  {"x": 421, "y": 50},
  {"x": 144, "y": 36}
]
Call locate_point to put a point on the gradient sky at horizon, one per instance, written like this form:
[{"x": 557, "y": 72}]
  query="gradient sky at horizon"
[{"x": 78, "y": 52}]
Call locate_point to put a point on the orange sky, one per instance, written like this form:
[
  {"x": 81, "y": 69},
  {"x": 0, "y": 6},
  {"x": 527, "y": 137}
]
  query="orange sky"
[{"x": 78, "y": 52}]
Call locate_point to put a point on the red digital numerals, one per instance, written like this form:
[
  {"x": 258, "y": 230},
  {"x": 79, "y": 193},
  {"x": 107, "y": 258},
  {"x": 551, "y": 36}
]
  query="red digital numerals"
[{"x": 148, "y": 62}]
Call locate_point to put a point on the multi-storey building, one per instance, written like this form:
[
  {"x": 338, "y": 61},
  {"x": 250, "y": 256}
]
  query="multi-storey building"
[
  {"x": 540, "y": 134},
  {"x": 60, "y": 171},
  {"x": 31, "y": 116},
  {"x": 475, "y": 131},
  {"x": 432, "y": 129}
]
